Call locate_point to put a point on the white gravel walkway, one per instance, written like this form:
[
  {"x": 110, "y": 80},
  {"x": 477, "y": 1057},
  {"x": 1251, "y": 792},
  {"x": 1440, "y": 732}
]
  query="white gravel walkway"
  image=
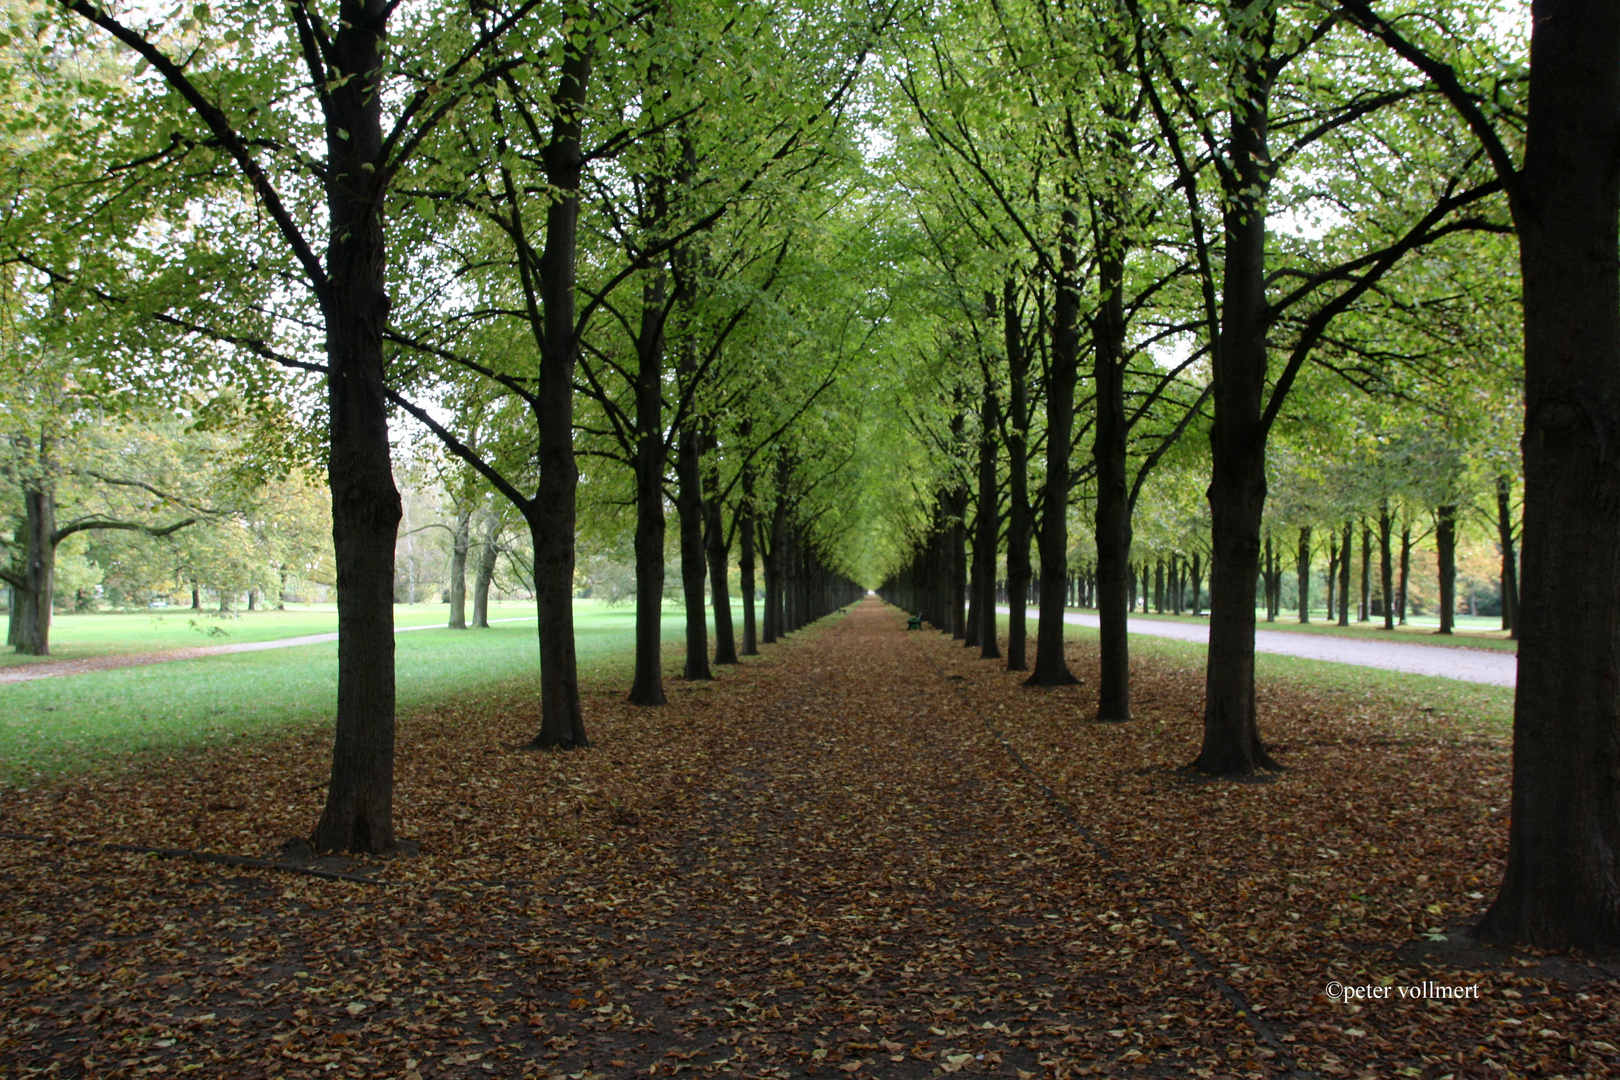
[{"x": 1467, "y": 665}]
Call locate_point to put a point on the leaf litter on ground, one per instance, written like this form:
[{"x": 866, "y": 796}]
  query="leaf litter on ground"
[{"x": 868, "y": 853}]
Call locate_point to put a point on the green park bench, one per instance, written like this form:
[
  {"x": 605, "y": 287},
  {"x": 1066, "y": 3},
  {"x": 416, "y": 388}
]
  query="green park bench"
[{"x": 914, "y": 623}]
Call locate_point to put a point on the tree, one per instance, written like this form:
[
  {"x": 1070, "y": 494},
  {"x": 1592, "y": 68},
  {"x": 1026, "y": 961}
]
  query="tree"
[{"x": 1561, "y": 888}]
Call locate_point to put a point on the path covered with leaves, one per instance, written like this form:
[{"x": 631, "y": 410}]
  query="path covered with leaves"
[{"x": 868, "y": 853}]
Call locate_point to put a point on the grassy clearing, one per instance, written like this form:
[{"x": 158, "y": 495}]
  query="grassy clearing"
[
  {"x": 81, "y": 723},
  {"x": 1473, "y": 632},
  {"x": 79, "y": 637},
  {"x": 1476, "y": 708}
]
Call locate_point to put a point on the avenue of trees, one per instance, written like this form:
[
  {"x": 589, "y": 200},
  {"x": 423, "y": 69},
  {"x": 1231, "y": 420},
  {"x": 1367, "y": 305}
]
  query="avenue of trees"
[{"x": 1211, "y": 305}]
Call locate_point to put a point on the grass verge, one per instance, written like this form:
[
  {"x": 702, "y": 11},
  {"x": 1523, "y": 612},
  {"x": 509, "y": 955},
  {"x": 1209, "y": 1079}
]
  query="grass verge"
[{"x": 83, "y": 723}]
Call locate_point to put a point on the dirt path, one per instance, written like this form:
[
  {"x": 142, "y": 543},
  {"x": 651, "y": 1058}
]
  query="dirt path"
[
  {"x": 55, "y": 669},
  {"x": 1468, "y": 665},
  {"x": 866, "y": 854}
]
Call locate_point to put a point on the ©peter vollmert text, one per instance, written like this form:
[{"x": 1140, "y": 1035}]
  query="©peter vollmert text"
[{"x": 1421, "y": 991}]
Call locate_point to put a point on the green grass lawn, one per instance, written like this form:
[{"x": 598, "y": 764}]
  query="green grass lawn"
[
  {"x": 1473, "y": 631},
  {"x": 1476, "y": 707},
  {"x": 77, "y": 637},
  {"x": 84, "y": 722}
]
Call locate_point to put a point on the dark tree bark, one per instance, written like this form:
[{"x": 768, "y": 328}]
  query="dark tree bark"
[
  {"x": 689, "y": 509},
  {"x": 1445, "y": 539},
  {"x": 1386, "y": 563},
  {"x": 1504, "y": 539},
  {"x": 484, "y": 575},
  {"x": 460, "y": 544},
  {"x": 1333, "y": 570},
  {"x": 745, "y": 538},
  {"x": 1051, "y": 665},
  {"x": 1112, "y": 518},
  {"x": 359, "y": 811},
  {"x": 1406, "y": 572},
  {"x": 719, "y": 556},
  {"x": 988, "y": 526},
  {"x": 552, "y": 514},
  {"x": 1347, "y": 551},
  {"x": 1561, "y": 888},
  {"x": 647, "y": 686},
  {"x": 1366, "y": 573},
  {"x": 1303, "y": 572},
  {"x": 1237, "y": 488},
  {"x": 1018, "y": 510},
  {"x": 34, "y": 585},
  {"x": 1272, "y": 579}
]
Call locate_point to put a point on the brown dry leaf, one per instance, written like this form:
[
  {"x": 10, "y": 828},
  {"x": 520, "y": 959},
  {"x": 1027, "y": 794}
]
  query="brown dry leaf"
[{"x": 830, "y": 848}]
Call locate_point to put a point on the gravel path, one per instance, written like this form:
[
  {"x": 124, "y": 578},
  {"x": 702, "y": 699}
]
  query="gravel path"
[
  {"x": 53, "y": 669},
  {"x": 1467, "y": 665}
]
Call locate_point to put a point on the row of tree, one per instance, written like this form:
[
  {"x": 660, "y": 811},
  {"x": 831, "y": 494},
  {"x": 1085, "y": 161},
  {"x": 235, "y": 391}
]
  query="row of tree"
[{"x": 844, "y": 284}]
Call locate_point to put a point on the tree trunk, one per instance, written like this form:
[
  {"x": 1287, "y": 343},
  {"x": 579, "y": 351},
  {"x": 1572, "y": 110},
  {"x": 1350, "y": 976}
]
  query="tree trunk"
[
  {"x": 485, "y": 573},
  {"x": 988, "y": 525},
  {"x": 1366, "y": 573},
  {"x": 1303, "y": 572},
  {"x": 359, "y": 810},
  {"x": 1112, "y": 518},
  {"x": 33, "y": 624},
  {"x": 719, "y": 554},
  {"x": 460, "y": 543},
  {"x": 1333, "y": 570},
  {"x": 957, "y": 537},
  {"x": 1347, "y": 551},
  {"x": 1018, "y": 521},
  {"x": 1504, "y": 538},
  {"x": 1051, "y": 665},
  {"x": 745, "y": 537},
  {"x": 1445, "y": 540},
  {"x": 647, "y": 687},
  {"x": 1237, "y": 487},
  {"x": 689, "y": 510},
  {"x": 1561, "y": 888},
  {"x": 1386, "y": 563},
  {"x": 552, "y": 515},
  {"x": 1401, "y": 594}
]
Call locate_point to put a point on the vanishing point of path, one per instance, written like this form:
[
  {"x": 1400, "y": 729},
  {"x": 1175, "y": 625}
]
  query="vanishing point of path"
[{"x": 1447, "y": 662}]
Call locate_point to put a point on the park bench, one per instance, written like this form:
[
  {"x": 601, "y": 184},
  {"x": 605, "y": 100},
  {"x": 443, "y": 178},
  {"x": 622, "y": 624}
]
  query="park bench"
[{"x": 914, "y": 623}]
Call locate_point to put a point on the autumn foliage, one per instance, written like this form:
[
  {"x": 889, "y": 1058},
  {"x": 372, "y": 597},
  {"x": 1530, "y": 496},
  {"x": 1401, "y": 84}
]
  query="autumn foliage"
[{"x": 868, "y": 853}]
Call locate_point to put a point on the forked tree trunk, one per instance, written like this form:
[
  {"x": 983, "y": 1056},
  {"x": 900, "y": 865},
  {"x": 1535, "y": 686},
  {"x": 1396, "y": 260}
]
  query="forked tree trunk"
[
  {"x": 359, "y": 810},
  {"x": 1561, "y": 888}
]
